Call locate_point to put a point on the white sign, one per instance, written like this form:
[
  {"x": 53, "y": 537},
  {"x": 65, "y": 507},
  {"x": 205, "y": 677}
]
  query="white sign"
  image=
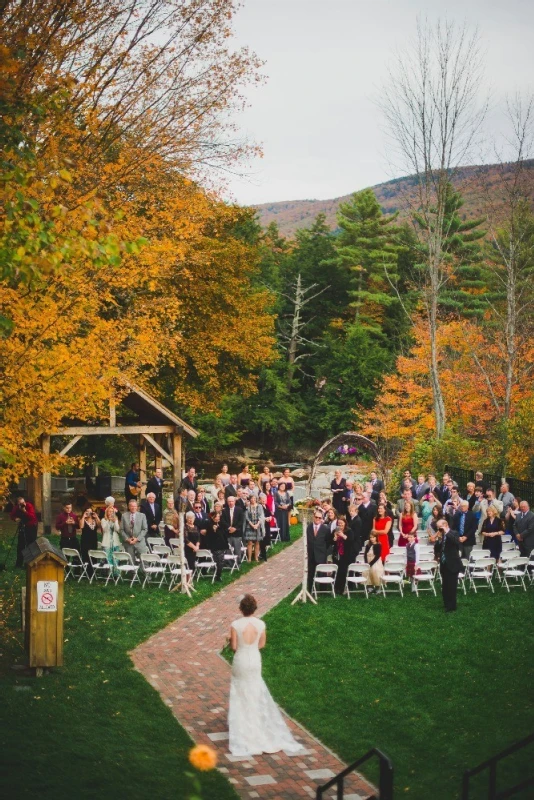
[{"x": 46, "y": 595}]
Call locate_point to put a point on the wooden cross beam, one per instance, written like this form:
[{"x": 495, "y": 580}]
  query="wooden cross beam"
[
  {"x": 158, "y": 448},
  {"x": 69, "y": 445}
]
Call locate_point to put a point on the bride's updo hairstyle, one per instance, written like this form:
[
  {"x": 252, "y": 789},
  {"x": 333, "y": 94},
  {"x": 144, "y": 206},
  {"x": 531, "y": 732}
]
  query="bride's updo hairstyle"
[{"x": 248, "y": 605}]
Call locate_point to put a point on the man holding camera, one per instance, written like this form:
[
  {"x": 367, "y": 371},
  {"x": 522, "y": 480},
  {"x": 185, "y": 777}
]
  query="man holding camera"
[{"x": 24, "y": 512}]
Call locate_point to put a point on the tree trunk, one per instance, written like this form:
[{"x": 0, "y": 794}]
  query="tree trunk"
[
  {"x": 295, "y": 327},
  {"x": 437, "y": 394}
]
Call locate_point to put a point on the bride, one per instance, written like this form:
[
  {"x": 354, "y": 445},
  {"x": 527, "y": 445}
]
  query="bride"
[{"x": 255, "y": 723}]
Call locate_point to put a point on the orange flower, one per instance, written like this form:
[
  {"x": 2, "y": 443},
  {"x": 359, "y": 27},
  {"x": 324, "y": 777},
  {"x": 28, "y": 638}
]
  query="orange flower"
[{"x": 203, "y": 757}]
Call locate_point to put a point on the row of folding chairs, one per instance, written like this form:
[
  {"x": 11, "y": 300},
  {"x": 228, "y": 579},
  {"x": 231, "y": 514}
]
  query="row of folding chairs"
[{"x": 153, "y": 567}]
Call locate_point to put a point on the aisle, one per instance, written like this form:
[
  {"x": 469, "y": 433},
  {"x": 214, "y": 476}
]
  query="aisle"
[{"x": 183, "y": 663}]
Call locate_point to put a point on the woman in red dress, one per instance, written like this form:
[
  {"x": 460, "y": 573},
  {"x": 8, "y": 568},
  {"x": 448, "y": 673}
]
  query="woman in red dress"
[
  {"x": 381, "y": 527},
  {"x": 408, "y": 523}
]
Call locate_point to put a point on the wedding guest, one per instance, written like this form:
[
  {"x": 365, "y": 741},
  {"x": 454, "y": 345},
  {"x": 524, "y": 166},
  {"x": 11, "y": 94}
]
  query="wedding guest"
[
  {"x": 344, "y": 553},
  {"x": 338, "y": 487},
  {"x": 511, "y": 515},
  {"x": 367, "y": 512},
  {"x": 377, "y": 485},
  {"x": 412, "y": 556},
  {"x": 132, "y": 483},
  {"x": 407, "y": 497},
  {"x": 203, "y": 500},
  {"x": 232, "y": 523},
  {"x": 427, "y": 506},
  {"x": 111, "y": 541},
  {"x": 382, "y": 525},
  {"x": 506, "y": 497},
  {"x": 89, "y": 527},
  {"x": 491, "y": 531},
  {"x": 244, "y": 477},
  {"x": 372, "y": 553},
  {"x": 435, "y": 516},
  {"x": 470, "y": 494},
  {"x": 450, "y": 565},
  {"x": 221, "y": 498},
  {"x": 252, "y": 489},
  {"x": 191, "y": 540},
  {"x": 524, "y": 529},
  {"x": 331, "y": 519},
  {"x": 265, "y": 477},
  {"x": 67, "y": 524},
  {"x": 282, "y": 509},
  {"x": 215, "y": 541},
  {"x": 484, "y": 505},
  {"x": 134, "y": 530},
  {"x": 383, "y": 498},
  {"x": 152, "y": 512},
  {"x": 231, "y": 487},
  {"x": 182, "y": 501},
  {"x": 465, "y": 522},
  {"x": 421, "y": 488},
  {"x": 190, "y": 481},
  {"x": 216, "y": 488},
  {"x": 288, "y": 480},
  {"x": 200, "y": 519},
  {"x": 155, "y": 485},
  {"x": 254, "y": 527},
  {"x": 319, "y": 539},
  {"x": 191, "y": 497},
  {"x": 241, "y": 499},
  {"x": 223, "y": 475},
  {"x": 408, "y": 523},
  {"x": 355, "y": 524},
  {"x": 171, "y": 522},
  {"x": 267, "y": 503},
  {"x": 23, "y": 512}
]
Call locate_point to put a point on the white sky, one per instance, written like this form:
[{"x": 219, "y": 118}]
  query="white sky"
[{"x": 315, "y": 117}]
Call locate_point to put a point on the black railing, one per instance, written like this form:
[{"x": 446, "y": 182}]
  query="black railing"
[
  {"x": 385, "y": 786},
  {"x": 491, "y": 765},
  {"x": 518, "y": 487}
]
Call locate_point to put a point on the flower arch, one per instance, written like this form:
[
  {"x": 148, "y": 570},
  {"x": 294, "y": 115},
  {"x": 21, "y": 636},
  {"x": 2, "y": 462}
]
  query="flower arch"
[{"x": 344, "y": 438}]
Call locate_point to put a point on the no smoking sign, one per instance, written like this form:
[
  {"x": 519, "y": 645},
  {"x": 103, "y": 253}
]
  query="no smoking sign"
[{"x": 46, "y": 595}]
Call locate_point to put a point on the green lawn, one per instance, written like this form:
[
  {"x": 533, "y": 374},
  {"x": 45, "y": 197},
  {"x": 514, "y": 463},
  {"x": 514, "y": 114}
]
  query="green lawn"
[
  {"x": 437, "y": 692},
  {"x": 95, "y": 727}
]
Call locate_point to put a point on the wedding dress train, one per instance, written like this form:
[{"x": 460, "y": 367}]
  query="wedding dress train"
[{"x": 255, "y": 723}]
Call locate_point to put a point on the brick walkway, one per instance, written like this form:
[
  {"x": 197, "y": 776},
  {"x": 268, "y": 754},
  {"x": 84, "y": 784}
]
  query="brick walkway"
[{"x": 183, "y": 663}]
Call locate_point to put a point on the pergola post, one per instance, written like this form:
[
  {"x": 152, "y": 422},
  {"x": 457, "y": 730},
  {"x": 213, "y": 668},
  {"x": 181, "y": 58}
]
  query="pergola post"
[
  {"x": 47, "y": 486},
  {"x": 158, "y": 464},
  {"x": 177, "y": 459},
  {"x": 142, "y": 464}
]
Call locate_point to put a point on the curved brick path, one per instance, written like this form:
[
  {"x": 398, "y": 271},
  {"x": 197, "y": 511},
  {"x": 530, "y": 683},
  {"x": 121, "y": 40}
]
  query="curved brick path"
[{"x": 183, "y": 663}]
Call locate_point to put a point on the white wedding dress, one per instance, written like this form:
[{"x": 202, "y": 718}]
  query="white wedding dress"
[{"x": 255, "y": 723}]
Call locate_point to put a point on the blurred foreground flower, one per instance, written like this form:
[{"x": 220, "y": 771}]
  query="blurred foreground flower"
[{"x": 203, "y": 757}]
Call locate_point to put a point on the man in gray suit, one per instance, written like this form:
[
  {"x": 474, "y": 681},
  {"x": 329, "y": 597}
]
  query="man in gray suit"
[
  {"x": 524, "y": 529},
  {"x": 134, "y": 529}
]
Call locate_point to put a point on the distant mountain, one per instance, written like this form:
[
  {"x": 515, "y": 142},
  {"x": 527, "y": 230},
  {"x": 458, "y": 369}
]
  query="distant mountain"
[{"x": 473, "y": 181}]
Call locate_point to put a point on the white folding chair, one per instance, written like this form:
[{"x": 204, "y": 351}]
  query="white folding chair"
[
  {"x": 357, "y": 575},
  {"x": 153, "y": 540},
  {"x": 509, "y": 545},
  {"x": 162, "y": 551},
  {"x": 504, "y": 561},
  {"x": 177, "y": 570},
  {"x": 394, "y": 577},
  {"x": 74, "y": 564},
  {"x": 205, "y": 565},
  {"x": 276, "y": 537},
  {"x": 425, "y": 573},
  {"x": 153, "y": 569},
  {"x": 175, "y": 546},
  {"x": 125, "y": 568},
  {"x": 325, "y": 575},
  {"x": 231, "y": 560},
  {"x": 515, "y": 573},
  {"x": 506, "y": 537},
  {"x": 482, "y": 572},
  {"x": 102, "y": 569},
  {"x": 530, "y": 567},
  {"x": 396, "y": 550},
  {"x": 463, "y": 573}
]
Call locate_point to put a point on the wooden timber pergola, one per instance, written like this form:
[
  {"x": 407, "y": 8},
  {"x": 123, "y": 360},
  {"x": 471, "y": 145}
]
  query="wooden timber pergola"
[{"x": 148, "y": 422}]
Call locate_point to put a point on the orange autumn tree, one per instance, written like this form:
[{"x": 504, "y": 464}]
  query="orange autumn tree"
[
  {"x": 144, "y": 270},
  {"x": 474, "y": 386}
]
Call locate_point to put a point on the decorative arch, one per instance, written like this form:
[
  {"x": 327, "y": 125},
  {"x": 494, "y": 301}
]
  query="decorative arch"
[{"x": 345, "y": 438}]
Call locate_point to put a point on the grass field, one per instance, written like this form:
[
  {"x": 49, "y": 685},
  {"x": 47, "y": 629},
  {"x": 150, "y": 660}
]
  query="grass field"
[
  {"x": 95, "y": 727},
  {"x": 437, "y": 692}
]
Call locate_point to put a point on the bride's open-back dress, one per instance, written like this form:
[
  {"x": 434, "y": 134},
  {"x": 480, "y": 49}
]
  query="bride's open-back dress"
[{"x": 255, "y": 723}]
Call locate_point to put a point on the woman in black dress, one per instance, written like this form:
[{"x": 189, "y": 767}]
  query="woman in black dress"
[
  {"x": 492, "y": 528},
  {"x": 344, "y": 552},
  {"x": 283, "y": 506},
  {"x": 267, "y": 503},
  {"x": 89, "y": 526},
  {"x": 338, "y": 488},
  {"x": 215, "y": 541},
  {"x": 191, "y": 540}
]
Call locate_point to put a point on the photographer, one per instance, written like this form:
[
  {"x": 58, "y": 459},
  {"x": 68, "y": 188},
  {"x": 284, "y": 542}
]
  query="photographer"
[
  {"x": 24, "y": 512},
  {"x": 66, "y": 525},
  {"x": 89, "y": 526}
]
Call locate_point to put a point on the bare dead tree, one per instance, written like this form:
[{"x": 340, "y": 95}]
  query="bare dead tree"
[{"x": 433, "y": 113}]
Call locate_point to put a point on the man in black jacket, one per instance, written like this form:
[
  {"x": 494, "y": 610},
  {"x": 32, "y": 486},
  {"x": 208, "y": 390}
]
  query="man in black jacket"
[
  {"x": 450, "y": 564},
  {"x": 231, "y": 489},
  {"x": 319, "y": 538},
  {"x": 524, "y": 529},
  {"x": 232, "y": 525},
  {"x": 152, "y": 512},
  {"x": 465, "y": 522},
  {"x": 155, "y": 484},
  {"x": 190, "y": 481},
  {"x": 367, "y": 514},
  {"x": 355, "y": 524}
]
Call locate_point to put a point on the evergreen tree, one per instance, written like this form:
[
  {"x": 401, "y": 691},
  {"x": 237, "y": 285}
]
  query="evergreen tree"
[{"x": 366, "y": 248}]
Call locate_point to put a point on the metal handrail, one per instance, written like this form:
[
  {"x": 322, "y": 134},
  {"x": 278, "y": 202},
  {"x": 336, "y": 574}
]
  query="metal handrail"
[
  {"x": 491, "y": 764},
  {"x": 385, "y": 787}
]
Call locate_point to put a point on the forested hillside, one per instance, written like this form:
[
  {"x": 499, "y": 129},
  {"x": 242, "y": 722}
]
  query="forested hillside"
[{"x": 392, "y": 196}]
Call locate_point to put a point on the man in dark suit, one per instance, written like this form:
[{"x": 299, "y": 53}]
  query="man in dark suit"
[
  {"x": 524, "y": 529},
  {"x": 465, "y": 522},
  {"x": 355, "y": 524},
  {"x": 152, "y": 512},
  {"x": 367, "y": 514},
  {"x": 377, "y": 486},
  {"x": 190, "y": 481},
  {"x": 231, "y": 489},
  {"x": 232, "y": 525},
  {"x": 201, "y": 519},
  {"x": 155, "y": 484},
  {"x": 319, "y": 538},
  {"x": 450, "y": 564},
  {"x": 240, "y": 500},
  {"x": 407, "y": 477}
]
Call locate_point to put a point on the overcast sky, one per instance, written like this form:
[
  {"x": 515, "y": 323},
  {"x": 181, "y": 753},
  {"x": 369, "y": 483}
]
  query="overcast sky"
[{"x": 315, "y": 116}]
